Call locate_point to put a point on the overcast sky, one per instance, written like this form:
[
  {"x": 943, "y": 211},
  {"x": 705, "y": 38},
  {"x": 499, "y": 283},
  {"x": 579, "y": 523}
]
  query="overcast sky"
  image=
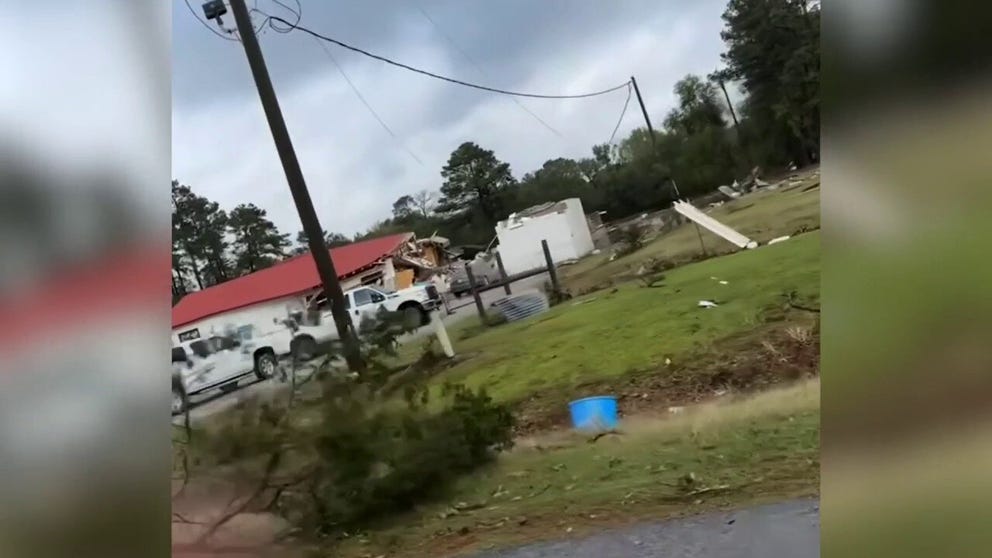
[{"x": 222, "y": 147}]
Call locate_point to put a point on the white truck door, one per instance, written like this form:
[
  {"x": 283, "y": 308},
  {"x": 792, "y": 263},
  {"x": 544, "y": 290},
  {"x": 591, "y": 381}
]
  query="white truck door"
[
  {"x": 365, "y": 304},
  {"x": 231, "y": 361},
  {"x": 203, "y": 371}
]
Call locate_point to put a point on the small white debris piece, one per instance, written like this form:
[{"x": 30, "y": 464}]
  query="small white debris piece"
[
  {"x": 713, "y": 278},
  {"x": 707, "y": 304},
  {"x": 675, "y": 410},
  {"x": 668, "y": 361},
  {"x": 779, "y": 239},
  {"x": 751, "y": 245},
  {"x": 596, "y": 251},
  {"x": 724, "y": 283}
]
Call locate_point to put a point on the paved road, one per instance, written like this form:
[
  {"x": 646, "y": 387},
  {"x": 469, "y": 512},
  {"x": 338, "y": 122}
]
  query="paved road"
[
  {"x": 464, "y": 307},
  {"x": 786, "y": 530}
]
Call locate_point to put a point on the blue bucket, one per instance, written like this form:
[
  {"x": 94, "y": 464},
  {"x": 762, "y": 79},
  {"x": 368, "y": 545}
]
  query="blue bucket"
[{"x": 594, "y": 413}]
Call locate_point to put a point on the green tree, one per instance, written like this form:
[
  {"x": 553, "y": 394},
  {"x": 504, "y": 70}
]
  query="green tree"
[
  {"x": 773, "y": 49},
  {"x": 403, "y": 207},
  {"x": 698, "y": 107},
  {"x": 557, "y": 179},
  {"x": 473, "y": 180},
  {"x": 331, "y": 240},
  {"x": 258, "y": 243},
  {"x": 199, "y": 237}
]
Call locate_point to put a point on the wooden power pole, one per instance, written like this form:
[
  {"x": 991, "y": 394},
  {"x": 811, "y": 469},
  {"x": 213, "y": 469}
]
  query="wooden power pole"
[{"x": 298, "y": 186}]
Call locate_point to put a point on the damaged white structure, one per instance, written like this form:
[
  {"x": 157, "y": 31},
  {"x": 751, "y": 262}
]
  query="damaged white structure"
[{"x": 563, "y": 224}]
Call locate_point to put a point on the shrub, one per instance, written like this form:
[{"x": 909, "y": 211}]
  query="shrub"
[
  {"x": 652, "y": 271},
  {"x": 555, "y": 296},
  {"x": 369, "y": 454},
  {"x": 631, "y": 239},
  {"x": 377, "y": 461}
]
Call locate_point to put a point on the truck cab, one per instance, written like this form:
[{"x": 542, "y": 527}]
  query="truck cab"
[
  {"x": 363, "y": 303},
  {"x": 216, "y": 362}
]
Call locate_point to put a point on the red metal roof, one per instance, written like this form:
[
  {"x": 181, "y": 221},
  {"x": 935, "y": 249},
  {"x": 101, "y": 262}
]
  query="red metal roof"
[{"x": 292, "y": 276}]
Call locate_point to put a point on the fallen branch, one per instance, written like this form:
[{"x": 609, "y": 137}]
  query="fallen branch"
[{"x": 270, "y": 468}]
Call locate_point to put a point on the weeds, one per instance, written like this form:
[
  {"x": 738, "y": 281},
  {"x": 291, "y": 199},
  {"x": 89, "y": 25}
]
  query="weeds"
[
  {"x": 631, "y": 239},
  {"x": 555, "y": 296}
]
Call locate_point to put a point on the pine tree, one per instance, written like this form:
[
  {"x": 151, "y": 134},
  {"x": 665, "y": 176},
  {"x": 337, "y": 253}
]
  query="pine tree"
[{"x": 258, "y": 243}]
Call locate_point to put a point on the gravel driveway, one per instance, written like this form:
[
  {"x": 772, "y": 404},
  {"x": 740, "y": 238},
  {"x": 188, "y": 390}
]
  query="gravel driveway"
[{"x": 786, "y": 530}]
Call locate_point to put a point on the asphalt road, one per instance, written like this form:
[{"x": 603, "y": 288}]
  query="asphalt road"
[
  {"x": 785, "y": 530},
  {"x": 216, "y": 401}
]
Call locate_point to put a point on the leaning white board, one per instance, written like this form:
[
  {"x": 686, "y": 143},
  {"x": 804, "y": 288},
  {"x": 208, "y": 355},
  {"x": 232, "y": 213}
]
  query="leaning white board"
[{"x": 714, "y": 226}]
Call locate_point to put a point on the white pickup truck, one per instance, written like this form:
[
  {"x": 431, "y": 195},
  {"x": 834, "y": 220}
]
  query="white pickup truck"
[
  {"x": 220, "y": 361},
  {"x": 415, "y": 303}
]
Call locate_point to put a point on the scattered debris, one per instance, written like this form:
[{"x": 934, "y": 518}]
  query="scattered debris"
[
  {"x": 668, "y": 361},
  {"x": 578, "y": 302},
  {"x": 675, "y": 410},
  {"x": 709, "y": 223},
  {"x": 707, "y": 304},
  {"x": 777, "y": 240},
  {"x": 729, "y": 192},
  {"x": 724, "y": 283}
]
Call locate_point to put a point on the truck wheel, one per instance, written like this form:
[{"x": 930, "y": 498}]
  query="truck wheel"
[
  {"x": 413, "y": 317},
  {"x": 265, "y": 366},
  {"x": 305, "y": 348}
]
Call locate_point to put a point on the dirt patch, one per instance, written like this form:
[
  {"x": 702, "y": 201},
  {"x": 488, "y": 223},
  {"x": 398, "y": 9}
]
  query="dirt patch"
[{"x": 743, "y": 364}]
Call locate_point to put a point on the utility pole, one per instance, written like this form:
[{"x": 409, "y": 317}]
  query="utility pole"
[
  {"x": 647, "y": 119},
  {"x": 298, "y": 187},
  {"x": 654, "y": 148},
  {"x": 644, "y": 111}
]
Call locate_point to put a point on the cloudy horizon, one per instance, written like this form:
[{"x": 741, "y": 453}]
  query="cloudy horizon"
[{"x": 222, "y": 147}]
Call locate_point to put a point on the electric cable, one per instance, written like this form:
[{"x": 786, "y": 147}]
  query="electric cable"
[
  {"x": 482, "y": 72},
  {"x": 291, "y": 27},
  {"x": 361, "y": 98}
]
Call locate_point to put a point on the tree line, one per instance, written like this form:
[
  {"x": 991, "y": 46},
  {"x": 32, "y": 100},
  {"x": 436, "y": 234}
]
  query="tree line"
[{"x": 772, "y": 53}]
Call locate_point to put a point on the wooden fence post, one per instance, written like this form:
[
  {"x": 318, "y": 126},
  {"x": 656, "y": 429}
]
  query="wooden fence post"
[
  {"x": 475, "y": 294},
  {"x": 502, "y": 273},
  {"x": 552, "y": 272}
]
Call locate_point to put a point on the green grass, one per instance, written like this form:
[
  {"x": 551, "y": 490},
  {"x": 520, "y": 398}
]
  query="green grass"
[
  {"x": 761, "y": 216},
  {"x": 635, "y": 328},
  {"x": 757, "y": 449}
]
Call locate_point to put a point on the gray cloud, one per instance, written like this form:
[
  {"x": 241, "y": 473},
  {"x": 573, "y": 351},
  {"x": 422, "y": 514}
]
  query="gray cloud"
[{"x": 222, "y": 147}]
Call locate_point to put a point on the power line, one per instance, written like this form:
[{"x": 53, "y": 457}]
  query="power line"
[
  {"x": 361, "y": 98},
  {"x": 292, "y": 26},
  {"x": 622, "y": 113},
  {"x": 479, "y": 68}
]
